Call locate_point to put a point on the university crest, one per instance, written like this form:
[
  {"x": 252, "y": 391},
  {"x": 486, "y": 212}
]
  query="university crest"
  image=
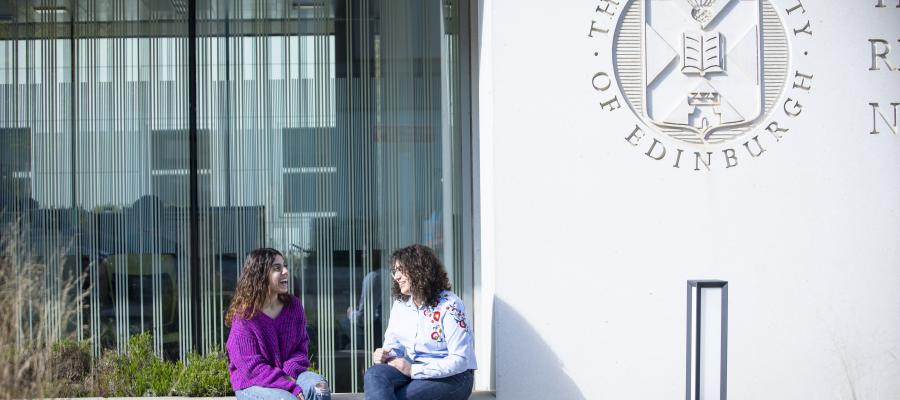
[{"x": 693, "y": 68}]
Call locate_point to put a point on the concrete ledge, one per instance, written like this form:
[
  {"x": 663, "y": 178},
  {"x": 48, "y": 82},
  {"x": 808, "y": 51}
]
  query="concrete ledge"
[
  {"x": 360, "y": 396},
  {"x": 336, "y": 396}
]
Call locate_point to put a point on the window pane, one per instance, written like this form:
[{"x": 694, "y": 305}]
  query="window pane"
[{"x": 334, "y": 131}]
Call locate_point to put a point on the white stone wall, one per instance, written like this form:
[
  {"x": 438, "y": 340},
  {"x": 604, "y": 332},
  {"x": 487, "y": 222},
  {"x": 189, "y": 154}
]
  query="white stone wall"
[{"x": 588, "y": 241}]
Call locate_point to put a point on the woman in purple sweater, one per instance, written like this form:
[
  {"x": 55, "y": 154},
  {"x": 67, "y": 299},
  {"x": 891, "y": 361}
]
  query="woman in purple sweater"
[{"x": 267, "y": 346}]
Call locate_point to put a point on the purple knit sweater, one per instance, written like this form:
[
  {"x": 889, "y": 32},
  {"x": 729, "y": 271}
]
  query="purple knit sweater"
[{"x": 262, "y": 350}]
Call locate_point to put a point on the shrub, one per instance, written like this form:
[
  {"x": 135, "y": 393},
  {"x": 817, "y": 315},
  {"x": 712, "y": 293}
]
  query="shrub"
[
  {"x": 107, "y": 380},
  {"x": 71, "y": 366},
  {"x": 203, "y": 376},
  {"x": 139, "y": 372}
]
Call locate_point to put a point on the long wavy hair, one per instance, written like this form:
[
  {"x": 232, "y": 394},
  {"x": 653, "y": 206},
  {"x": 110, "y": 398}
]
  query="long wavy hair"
[
  {"x": 426, "y": 275},
  {"x": 253, "y": 285}
]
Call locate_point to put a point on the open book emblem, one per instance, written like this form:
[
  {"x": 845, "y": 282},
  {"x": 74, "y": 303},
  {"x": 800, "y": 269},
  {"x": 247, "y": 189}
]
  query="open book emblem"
[
  {"x": 702, "y": 67},
  {"x": 702, "y": 53}
]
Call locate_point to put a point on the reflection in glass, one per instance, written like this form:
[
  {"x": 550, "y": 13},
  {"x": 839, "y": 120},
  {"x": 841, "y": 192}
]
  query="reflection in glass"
[{"x": 335, "y": 131}]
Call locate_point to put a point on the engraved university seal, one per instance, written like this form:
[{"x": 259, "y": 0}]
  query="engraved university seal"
[{"x": 702, "y": 75}]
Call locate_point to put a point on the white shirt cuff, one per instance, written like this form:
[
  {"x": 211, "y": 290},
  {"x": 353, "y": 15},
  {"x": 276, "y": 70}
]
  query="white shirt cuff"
[{"x": 417, "y": 371}]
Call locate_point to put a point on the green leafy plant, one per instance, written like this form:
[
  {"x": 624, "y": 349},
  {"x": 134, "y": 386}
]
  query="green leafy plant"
[
  {"x": 203, "y": 376},
  {"x": 139, "y": 372}
]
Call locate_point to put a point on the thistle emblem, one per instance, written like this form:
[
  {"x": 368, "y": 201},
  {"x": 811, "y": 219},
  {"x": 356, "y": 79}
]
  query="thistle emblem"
[{"x": 702, "y": 10}]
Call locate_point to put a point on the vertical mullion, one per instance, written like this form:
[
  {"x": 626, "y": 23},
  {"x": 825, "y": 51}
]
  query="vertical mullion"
[
  {"x": 194, "y": 212},
  {"x": 225, "y": 123}
]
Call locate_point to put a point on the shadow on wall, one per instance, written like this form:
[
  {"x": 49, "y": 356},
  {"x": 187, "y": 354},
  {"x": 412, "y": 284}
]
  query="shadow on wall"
[{"x": 526, "y": 366}]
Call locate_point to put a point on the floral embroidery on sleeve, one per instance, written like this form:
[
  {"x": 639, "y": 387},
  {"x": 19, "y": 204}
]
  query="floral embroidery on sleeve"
[
  {"x": 458, "y": 315},
  {"x": 437, "y": 333},
  {"x": 447, "y": 307}
]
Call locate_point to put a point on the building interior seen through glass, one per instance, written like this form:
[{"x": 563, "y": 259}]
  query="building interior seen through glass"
[{"x": 146, "y": 146}]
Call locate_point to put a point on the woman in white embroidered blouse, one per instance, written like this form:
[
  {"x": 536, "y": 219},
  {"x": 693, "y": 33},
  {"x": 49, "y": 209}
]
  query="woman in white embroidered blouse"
[{"x": 428, "y": 350}]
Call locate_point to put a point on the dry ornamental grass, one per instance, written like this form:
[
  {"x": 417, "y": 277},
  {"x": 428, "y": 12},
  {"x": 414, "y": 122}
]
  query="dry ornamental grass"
[{"x": 37, "y": 305}]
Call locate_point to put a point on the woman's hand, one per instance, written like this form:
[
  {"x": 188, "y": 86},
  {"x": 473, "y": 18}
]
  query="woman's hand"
[
  {"x": 381, "y": 355},
  {"x": 402, "y": 365},
  {"x": 299, "y": 395}
]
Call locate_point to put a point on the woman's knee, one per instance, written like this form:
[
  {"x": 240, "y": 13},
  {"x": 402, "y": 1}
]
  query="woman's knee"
[
  {"x": 309, "y": 377},
  {"x": 377, "y": 372},
  {"x": 314, "y": 386}
]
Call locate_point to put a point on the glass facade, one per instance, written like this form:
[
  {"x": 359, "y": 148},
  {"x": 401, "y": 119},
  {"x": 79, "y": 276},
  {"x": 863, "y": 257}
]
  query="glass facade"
[{"x": 332, "y": 130}]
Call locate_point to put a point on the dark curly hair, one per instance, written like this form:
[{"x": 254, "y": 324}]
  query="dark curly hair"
[
  {"x": 426, "y": 274},
  {"x": 253, "y": 285}
]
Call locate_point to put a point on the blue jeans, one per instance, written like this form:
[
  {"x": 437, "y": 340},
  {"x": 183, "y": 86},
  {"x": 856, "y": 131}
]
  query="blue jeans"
[
  {"x": 384, "y": 382},
  {"x": 307, "y": 381}
]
